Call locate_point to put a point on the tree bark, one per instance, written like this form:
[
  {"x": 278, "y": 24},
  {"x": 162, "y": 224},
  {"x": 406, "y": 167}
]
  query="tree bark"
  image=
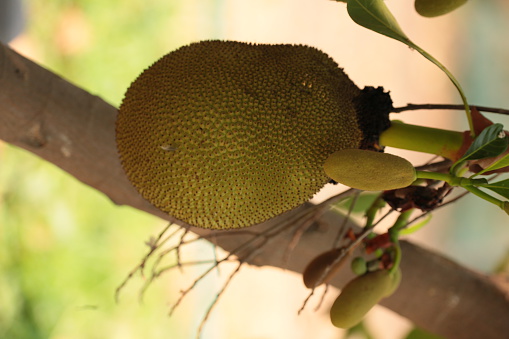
[{"x": 63, "y": 124}]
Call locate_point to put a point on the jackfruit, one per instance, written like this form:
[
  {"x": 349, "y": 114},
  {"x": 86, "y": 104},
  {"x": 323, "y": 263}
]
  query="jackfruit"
[
  {"x": 369, "y": 171},
  {"x": 361, "y": 294},
  {"x": 224, "y": 134}
]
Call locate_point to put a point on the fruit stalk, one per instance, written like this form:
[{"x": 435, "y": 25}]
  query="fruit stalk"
[{"x": 436, "y": 141}]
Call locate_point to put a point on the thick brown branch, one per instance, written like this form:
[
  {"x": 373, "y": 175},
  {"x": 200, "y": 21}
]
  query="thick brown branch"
[{"x": 74, "y": 130}]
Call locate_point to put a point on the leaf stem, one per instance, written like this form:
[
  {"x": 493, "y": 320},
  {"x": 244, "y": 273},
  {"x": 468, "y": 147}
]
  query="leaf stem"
[{"x": 455, "y": 82}]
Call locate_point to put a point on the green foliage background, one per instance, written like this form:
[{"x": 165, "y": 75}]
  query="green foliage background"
[{"x": 64, "y": 248}]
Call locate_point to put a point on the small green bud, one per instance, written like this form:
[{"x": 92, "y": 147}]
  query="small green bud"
[
  {"x": 359, "y": 266},
  {"x": 369, "y": 170}
]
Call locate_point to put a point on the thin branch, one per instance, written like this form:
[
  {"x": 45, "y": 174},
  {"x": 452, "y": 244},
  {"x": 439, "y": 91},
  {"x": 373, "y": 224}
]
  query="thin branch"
[
  {"x": 415, "y": 107},
  {"x": 154, "y": 245},
  {"x": 216, "y": 299}
]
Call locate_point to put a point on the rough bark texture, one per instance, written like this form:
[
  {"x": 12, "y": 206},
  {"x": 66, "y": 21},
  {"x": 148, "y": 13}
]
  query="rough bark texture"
[{"x": 74, "y": 130}]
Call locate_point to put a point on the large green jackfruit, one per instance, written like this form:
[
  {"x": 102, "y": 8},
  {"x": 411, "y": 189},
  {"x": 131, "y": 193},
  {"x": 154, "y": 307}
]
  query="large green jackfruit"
[{"x": 223, "y": 134}]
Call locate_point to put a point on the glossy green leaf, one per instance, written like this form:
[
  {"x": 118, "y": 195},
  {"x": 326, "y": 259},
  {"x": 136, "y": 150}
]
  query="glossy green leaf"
[{"x": 491, "y": 142}]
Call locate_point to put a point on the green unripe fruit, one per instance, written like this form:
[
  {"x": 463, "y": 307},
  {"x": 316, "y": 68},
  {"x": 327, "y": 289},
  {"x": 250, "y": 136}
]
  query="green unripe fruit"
[
  {"x": 368, "y": 170},
  {"x": 396, "y": 280},
  {"x": 432, "y": 8},
  {"x": 359, "y": 266},
  {"x": 224, "y": 134},
  {"x": 359, "y": 296},
  {"x": 315, "y": 272}
]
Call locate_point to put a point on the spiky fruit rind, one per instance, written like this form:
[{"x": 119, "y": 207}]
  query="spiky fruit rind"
[
  {"x": 368, "y": 170},
  {"x": 433, "y": 8},
  {"x": 358, "y": 297},
  {"x": 223, "y": 134}
]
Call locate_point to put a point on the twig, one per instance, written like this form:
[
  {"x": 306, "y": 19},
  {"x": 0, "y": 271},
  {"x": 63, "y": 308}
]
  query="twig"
[
  {"x": 216, "y": 299},
  {"x": 414, "y": 107},
  {"x": 154, "y": 245},
  {"x": 342, "y": 229}
]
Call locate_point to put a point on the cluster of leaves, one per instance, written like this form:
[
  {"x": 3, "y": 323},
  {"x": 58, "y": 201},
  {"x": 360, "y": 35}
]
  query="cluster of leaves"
[{"x": 491, "y": 144}]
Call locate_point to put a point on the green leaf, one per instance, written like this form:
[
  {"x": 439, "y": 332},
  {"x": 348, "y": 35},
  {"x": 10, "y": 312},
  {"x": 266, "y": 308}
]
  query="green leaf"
[
  {"x": 417, "y": 226},
  {"x": 500, "y": 163},
  {"x": 418, "y": 333},
  {"x": 362, "y": 203},
  {"x": 374, "y": 15},
  {"x": 491, "y": 142},
  {"x": 501, "y": 187}
]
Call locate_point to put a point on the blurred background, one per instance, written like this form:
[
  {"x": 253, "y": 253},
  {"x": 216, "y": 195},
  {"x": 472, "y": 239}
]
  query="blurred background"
[{"x": 65, "y": 248}]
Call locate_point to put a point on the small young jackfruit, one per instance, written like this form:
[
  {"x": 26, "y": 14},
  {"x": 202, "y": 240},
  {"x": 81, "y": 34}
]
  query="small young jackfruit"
[
  {"x": 361, "y": 294},
  {"x": 223, "y": 134},
  {"x": 368, "y": 170}
]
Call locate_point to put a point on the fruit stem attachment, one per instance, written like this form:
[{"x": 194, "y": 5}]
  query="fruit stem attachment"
[
  {"x": 400, "y": 224},
  {"x": 441, "y": 142},
  {"x": 450, "y": 179}
]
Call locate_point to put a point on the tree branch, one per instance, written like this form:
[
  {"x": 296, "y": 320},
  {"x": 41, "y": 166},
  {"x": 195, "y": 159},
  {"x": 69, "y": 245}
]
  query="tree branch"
[{"x": 74, "y": 130}]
